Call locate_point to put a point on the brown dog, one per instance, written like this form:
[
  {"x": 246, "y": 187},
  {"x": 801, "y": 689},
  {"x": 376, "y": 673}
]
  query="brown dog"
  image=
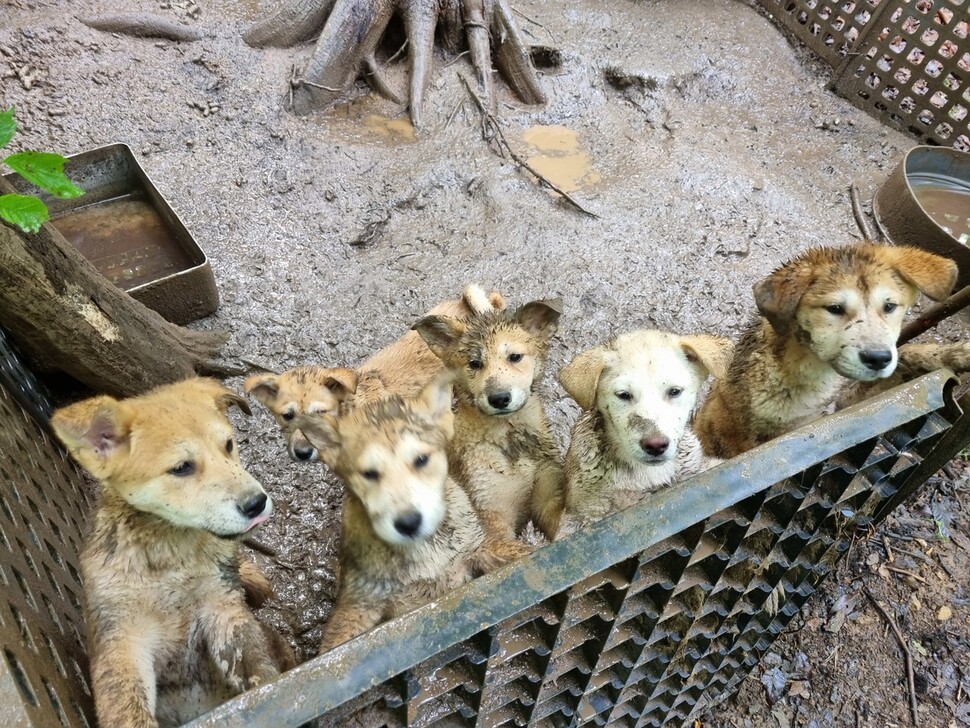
[
  {"x": 401, "y": 368},
  {"x": 828, "y": 316},
  {"x": 170, "y": 634}
]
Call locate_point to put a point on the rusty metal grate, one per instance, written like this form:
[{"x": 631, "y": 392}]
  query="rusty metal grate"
[
  {"x": 913, "y": 70},
  {"x": 646, "y": 617}
]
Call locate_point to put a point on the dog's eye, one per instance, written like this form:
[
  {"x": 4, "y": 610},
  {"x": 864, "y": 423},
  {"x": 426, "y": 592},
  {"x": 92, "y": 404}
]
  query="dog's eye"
[
  {"x": 835, "y": 309},
  {"x": 675, "y": 392},
  {"x": 288, "y": 416},
  {"x": 420, "y": 461},
  {"x": 624, "y": 395},
  {"x": 515, "y": 358},
  {"x": 183, "y": 469},
  {"x": 474, "y": 364},
  {"x": 229, "y": 445},
  {"x": 889, "y": 307},
  {"x": 370, "y": 475}
]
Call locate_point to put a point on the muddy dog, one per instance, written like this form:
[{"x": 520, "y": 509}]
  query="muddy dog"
[
  {"x": 638, "y": 393},
  {"x": 401, "y": 368},
  {"x": 502, "y": 454},
  {"x": 829, "y": 316},
  {"x": 170, "y": 634},
  {"x": 410, "y": 533}
]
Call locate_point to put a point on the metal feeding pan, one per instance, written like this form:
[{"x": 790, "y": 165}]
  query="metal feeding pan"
[
  {"x": 129, "y": 232},
  {"x": 926, "y": 203}
]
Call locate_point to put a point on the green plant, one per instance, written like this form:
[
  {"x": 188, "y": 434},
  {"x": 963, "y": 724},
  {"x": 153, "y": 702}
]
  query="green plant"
[{"x": 43, "y": 169}]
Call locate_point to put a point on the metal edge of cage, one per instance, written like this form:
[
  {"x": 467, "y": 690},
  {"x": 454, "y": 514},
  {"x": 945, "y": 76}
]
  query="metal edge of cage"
[{"x": 386, "y": 652}]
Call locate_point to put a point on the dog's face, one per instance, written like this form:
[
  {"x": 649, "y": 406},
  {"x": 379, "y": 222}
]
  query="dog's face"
[
  {"x": 392, "y": 455},
  {"x": 495, "y": 357},
  {"x": 847, "y": 304},
  {"x": 304, "y": 390},
  {"x": 170, "y": 453},
  {"x": 645, "y": 386}
]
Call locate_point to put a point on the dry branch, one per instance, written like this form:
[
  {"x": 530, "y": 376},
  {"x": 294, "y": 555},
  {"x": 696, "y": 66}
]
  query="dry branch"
[{"x": 911, "y": 682}]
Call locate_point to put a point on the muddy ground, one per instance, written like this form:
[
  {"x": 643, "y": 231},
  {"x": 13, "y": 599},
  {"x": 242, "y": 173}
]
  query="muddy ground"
[{"x": 709, "y": 148}]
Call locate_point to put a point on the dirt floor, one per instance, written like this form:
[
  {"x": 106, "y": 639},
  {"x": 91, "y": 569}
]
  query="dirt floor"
[{"x": 708, "y": 147}]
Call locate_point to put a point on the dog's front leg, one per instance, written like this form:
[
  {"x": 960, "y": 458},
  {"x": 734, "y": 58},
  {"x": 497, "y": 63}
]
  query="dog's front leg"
[
  {"x": 548, "y": 498},
  {"x": 349, "y": 619},
  {"x": 238, "y": 645},
  {"x": 123, "y": 678}
]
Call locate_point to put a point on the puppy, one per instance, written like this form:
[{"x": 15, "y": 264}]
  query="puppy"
[
  {"x": 170, "y": 635},
  {"x": 638, "y": 393},
  {"x": 503, "y": 454},
  {"x": 401, "y": 368},
  {"x": 828, "y": 316},
  {"x": 409, "y": 533}
]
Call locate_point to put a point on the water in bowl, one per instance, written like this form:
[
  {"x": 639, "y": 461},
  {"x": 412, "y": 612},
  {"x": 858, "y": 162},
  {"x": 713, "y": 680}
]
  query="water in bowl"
[{"x": 946, "y": 200}]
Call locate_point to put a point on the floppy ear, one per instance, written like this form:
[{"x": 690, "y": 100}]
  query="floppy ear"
[
  {"x": 933, "y": 274},
  {"x": 581, "y": 376},
  {"x": 540, "y": 317},
  {"x": 222, "y": 398},
  {"x": 323, "y": 432},
  {"x": 712, "y": 353},
  {"x": 440, "y": 333},
  {"x": 777, "y": 296},
  {"x": 341, "y": 381},
  {"x": 435, "y": 400},
  {"x": 264, "y": 387},
  {"x": 93, "y": 430}
]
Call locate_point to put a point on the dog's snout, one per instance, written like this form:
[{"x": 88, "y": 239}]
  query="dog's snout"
[
  {"x": 252, "y": 507},
  {"x": 655, "y": 446},
  {"x": 303, "y": 452},
  {"x": 876, "y": 359},
  {"x": 409, "y": 524},
  {"x": 500, "y": 400}
]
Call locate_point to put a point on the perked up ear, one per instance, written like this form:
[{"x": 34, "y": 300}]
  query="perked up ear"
[
  {"x": 933, "y": 274},
  {"x": 93, "y": 430},
  {"x": 435, "y": 400},
  {"x": 778, "y": 295},
  {"x": 341, "y": 381},
  {"x": 540, "y": 317},
  {"x": 581, "y": 376},
  {"x": 712, "y": 353},
  {"x": 264, "y": 387},
  {"x": 440, "y": 333},
  {"x": 323, "y": 432}
]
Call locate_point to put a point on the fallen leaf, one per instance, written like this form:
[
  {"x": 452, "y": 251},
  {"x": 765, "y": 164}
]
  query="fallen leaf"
[
  {"x": 836, "y": 623},
  {"x": 944, "y": 613},
  {"x": 883, "y": 571},
  {"x": 917, "y": 605},
  {"x": 779, "y": 715},
  {"x": 799, "y": 689},
  {"x": 774, "y": 681}
]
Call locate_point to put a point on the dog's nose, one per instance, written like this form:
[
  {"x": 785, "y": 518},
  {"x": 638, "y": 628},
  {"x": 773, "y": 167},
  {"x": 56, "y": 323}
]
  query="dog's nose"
[
  {"x": 655, "y": 446},
  {"x": 500, "y": 400},
  {"x": 876, "y": 359},
  {"x": 408, "y": 524},
  {"x": 303, "y": 453},
  {"x": 252, "y": 507}
]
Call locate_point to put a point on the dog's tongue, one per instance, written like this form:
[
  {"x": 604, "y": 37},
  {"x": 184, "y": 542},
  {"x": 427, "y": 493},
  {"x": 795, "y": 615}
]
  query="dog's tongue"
[{"x": 256, "y": 521}]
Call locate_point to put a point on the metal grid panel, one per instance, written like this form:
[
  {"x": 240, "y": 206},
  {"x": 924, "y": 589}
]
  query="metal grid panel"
[
  {"x": 913, "y": 70},
  {"x": 831, "y": 28},
  {"x": 646, "y": 617},
  {"x": 43, "y": 501}
]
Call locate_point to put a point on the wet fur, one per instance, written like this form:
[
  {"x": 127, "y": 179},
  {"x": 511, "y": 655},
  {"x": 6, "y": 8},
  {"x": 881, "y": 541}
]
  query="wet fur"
[
  {"x": 169, "y": 630},
  {"x": 793, "y": 361}
]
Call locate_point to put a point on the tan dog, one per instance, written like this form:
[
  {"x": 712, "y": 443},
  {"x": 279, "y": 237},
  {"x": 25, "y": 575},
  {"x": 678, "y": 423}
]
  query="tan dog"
[
  {"x": 638, "y": 393},
  {"x": 170, "y": 634},
  {"x": 401, "y": 368},
  {"x": 409, "y": 532},
  {"x": 828, "y": 316},
  {"x": 503, "y": 454}
]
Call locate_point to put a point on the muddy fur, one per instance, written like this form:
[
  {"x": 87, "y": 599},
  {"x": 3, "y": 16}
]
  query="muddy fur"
[
  {"x": 170, "y": 633},
  {"x": 822, "y": 315},
  {"x": 638, "y": 393},
  {"x": 409, "y": 533},
  {"x": 401, "y": 368}
]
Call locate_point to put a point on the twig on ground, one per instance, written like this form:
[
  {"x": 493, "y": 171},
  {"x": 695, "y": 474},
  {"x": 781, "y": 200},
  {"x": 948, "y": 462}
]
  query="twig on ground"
[
  {"x": 906, "y": 572},
  {"x": 911, "y": 682},
  {"x": 492, "y": 131},
  {"x": 267, "y": 551},
  {"x": 861, "y": 219}
]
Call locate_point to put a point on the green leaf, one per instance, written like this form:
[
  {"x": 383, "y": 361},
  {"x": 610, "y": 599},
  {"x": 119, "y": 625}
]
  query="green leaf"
[
  {"x": 7, "y": 127},
  {"x": 46, "y": 171},
  {"x": 26, "y": 212}
]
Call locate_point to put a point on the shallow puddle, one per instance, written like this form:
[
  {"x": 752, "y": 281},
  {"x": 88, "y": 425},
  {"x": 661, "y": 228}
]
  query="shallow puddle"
[{"x": 560, "y": 157}]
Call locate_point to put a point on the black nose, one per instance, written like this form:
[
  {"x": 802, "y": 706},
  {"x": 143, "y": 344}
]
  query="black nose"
[
  {"x": 252, "y": 507},
  {"x": 500, "y": 400},
  {"x": 655, "y": 446},
  {"x": 408, "y": 524},
  {"x": 876, "y": 359},
  {"x": 303, "y": 453}
]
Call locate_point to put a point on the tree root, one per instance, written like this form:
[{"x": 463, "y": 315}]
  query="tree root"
[{"x": 142, "y": 25}]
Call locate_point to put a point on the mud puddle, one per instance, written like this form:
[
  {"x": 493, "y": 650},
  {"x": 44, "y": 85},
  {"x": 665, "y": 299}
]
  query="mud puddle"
[{"x": 559, "y": 157}]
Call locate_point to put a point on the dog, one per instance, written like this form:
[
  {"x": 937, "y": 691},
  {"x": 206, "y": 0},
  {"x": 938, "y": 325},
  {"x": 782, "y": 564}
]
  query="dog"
[
  {"x": 410, "y": 533},
  {"x": 828, "y": 316},
  {"x": 502, "y": 454},
  {"x": 638, "y": 394},
  {"x": 401, "y": 368},
  {"x": 170, "y": 634}
]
